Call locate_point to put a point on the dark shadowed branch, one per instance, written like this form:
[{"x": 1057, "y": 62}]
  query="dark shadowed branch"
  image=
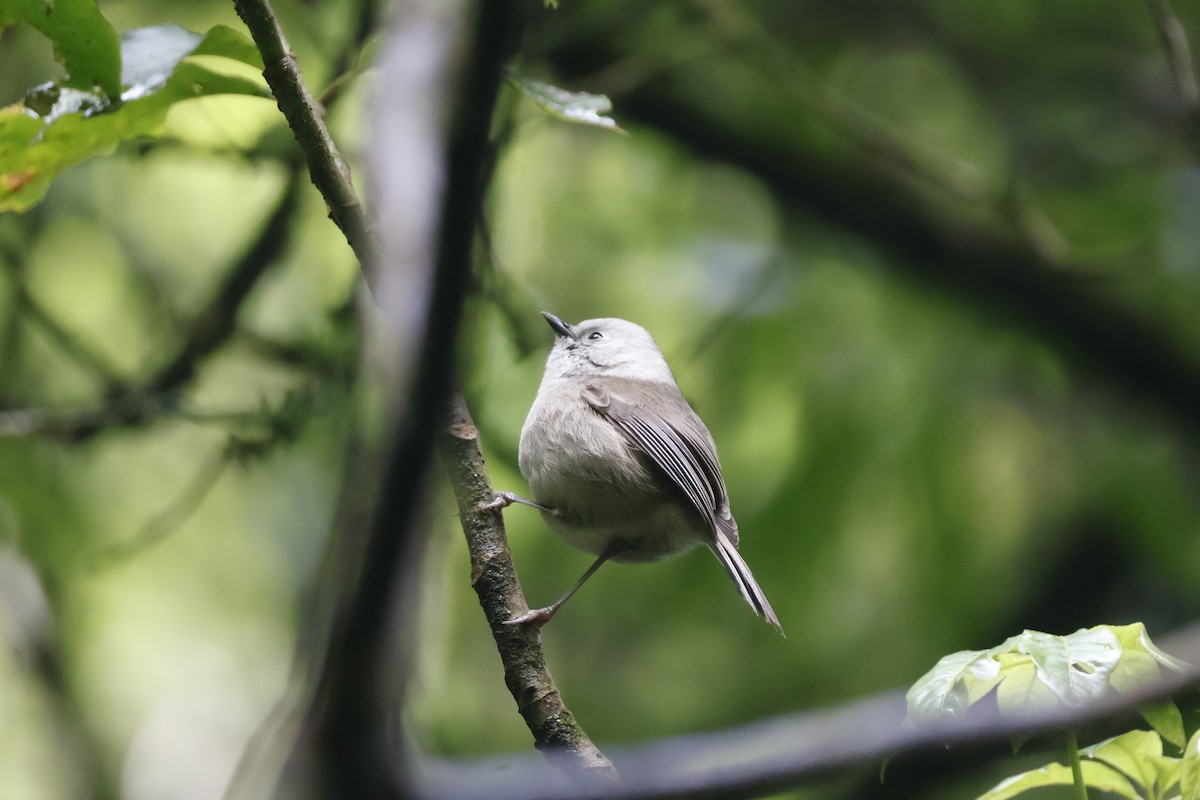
[
  {"x": 217, "y": 321},
  {"x": 953, "y": 252},
  {"x": 77, "y": 348},
  {"x": 494, "y": 579},
  {"x": 773, "y": 755},
  {"x": 440, "y": 109},
  {"x": 131, "y": 405}
]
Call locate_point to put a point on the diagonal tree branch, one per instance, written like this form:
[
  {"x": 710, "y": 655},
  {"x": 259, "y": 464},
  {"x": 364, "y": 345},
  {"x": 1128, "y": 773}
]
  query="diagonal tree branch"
[
  {"x": 131, "y": 405},
  {"x": 439, "y": 108},
  {"x": 217, "y": 321},
  {"x": 554, "y": 728},
  {"x": 75, "y": 347},
  {"x": 329, "y": 171}
]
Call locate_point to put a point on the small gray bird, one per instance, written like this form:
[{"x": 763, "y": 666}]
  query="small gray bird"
[{"x": 619, "y": 463}]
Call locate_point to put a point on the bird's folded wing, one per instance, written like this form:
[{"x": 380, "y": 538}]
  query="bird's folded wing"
[{"x": 685, "y": 454}]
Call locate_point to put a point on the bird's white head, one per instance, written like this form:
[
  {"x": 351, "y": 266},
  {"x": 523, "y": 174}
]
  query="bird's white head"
[{"x": 610, "y": 347}]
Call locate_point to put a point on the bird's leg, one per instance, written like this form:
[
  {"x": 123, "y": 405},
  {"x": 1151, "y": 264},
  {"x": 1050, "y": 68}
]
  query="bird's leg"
[
  {"x": 538, "y": 617},
  {"x": 506, "y": 499}
]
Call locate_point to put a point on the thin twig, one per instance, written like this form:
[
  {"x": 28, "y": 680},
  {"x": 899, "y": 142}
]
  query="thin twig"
[
  {"x": 217, "y": 321},
  {"x": 494, "y": 579},
  {"x": 328, "y": 170},
  {"x": 170, "y": 518},
  {"x": 344, "y": 66},
  {"x": 130, "y": 406}
]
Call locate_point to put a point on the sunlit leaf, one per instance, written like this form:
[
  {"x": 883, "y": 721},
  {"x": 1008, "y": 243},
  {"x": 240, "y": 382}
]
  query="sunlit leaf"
[
  {"x": 952, "y": 685},
  {"x": 1039, "y": 670},
  {"x": 1097, "y": 776},
  {"x": 83, "y": 40},
  {"x": 1075, "y": 667},
  {"x": 1189, "y": 769},
  {"x": 1020, "y": 686},
  {"x": 581, "y": 108},
  {"x": 1132, "y": 671}
]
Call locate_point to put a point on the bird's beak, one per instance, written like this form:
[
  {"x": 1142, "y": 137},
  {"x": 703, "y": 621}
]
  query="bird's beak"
[{"x": 560, "y": 327}]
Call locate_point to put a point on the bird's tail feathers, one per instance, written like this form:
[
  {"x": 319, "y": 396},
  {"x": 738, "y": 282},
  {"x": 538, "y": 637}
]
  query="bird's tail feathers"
[{"x": 743, "y": 578}]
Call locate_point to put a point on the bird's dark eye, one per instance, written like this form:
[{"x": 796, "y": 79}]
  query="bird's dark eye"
[{"x": 595, "y": 335}]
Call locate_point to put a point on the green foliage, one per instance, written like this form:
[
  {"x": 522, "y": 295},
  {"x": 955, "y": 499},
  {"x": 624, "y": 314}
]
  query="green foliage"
[
  {"x": 1098, "y": 776},
  {"x": 83, "y": 41},
  {"x": 58, "y": 126},
  {"x": 1033, "y": 671},
  {"x": 1189, "y": 770},
  {"x": 1131, "y": 765},
  {"x": 909, "y": 471}
]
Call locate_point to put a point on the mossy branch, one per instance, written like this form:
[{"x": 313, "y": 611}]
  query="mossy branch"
[{"x": 555, "y": 730}]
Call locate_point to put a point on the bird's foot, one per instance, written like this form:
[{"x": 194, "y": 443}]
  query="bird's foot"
[
  {"x": 506, "y": 499},
  {"x": 499, "y": 500},
  {"x": 535, "y": 617}
]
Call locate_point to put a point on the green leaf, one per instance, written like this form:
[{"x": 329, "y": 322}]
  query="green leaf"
[
  {"x": 224, "y": 41},
  {"x": 954, "y": 683},
  {"x": 37, "y": 143},
  {"x": 1189, "y": 769},
  {"x": 150, "y": 55},
  {"x": 1039, "y": 670},
  {"x": 83, "y": 40},
  {"x": 1020, "y": 686},
  {"x": 580, "y": 108},
  {"x": 1134, "y": 672},
  {"x": 1165, "y": 718},
  {"x": 1097, "y": 776},
  {"x": 1133, "y": 753},
  {"x": 1075, "y": 667}
]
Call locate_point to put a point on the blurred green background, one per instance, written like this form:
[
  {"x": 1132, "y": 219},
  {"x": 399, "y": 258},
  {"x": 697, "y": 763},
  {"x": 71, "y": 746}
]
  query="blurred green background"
[{"x": 911, "y": 475}]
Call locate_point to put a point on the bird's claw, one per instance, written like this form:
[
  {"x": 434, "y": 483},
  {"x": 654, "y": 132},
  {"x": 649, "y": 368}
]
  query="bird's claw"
[
  {"x": 535, "y": 617},
  {"x": 499, "y": 500}
]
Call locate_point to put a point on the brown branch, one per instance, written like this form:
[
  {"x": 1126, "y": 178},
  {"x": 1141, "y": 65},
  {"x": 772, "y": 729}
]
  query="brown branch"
[
  {"x": 554, "y": 728},
  {"x": 359, "y": 650},
  {"x": 328, "y": 170}
]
